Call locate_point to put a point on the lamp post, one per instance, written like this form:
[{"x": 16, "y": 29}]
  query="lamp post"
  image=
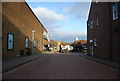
[{"x": 33, "y": 41}]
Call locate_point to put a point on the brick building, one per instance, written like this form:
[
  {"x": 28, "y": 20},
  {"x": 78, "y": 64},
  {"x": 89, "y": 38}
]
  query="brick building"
[
  {"x": 103, "y": 27},
  {"x": 58, "y": 44},
  {"x": 21, "y": 29},
  {"x": 79, "y": 45}
]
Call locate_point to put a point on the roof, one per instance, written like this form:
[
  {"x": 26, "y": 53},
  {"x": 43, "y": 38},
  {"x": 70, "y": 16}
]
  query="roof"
[
  {"x": 63, "y": 44},
  {"x": 79, "y": 43}
]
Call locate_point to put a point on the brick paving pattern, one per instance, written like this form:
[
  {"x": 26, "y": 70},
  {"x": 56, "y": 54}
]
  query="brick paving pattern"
[{"x": 62, "y": 66}]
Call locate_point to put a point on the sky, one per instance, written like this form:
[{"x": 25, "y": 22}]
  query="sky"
[{"x": 64, "y": 20}]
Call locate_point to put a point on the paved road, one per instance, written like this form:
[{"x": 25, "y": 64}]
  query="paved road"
[{"x": 62, "y": 66}]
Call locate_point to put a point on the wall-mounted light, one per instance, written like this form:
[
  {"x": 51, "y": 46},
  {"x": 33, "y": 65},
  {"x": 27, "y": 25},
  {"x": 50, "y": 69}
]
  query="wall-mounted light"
[{"x": 33, "y": 31}]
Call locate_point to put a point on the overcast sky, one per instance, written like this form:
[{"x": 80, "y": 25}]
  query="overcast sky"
[{"x": 64, "y": 20}]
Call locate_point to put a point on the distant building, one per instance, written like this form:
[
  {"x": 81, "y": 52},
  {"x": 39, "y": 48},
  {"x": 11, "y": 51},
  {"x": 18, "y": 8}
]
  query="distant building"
[
  {"x": 58, "y": 44},
  {"x": 64, "y": 47},
  {"x": 79, "y": 45},
  {"x": 53, "y": 45},
  {"x": 103, "y": 30},
  {"x": 69, "y": 47}
]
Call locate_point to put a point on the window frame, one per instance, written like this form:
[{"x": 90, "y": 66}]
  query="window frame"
[
  {"x": 91, "y": 23},
  {"x": 26, "y": 47},
  {"x": 34, "y": 43},
  {"x": 115, "y": 11},
  {"x": 8, "y": 42},
  {"x": 97, "y": 20},
  {"x": 95, "y": 41}
]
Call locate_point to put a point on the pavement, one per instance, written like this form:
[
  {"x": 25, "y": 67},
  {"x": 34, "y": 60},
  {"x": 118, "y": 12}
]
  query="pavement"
[
  {"x": 12, "y": 63},
  {"x": 62, "y": 66},
  {"x": 103, "y": 61}
]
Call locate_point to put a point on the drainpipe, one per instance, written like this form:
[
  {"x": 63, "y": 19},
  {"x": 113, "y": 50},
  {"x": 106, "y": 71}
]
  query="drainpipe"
[
  {"x": 110, "y": 29},
  {"x": 33, "y": 32}
]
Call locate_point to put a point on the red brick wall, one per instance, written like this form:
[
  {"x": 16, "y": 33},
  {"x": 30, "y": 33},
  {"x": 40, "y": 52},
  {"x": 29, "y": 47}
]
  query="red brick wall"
[
  {"x": 107, "y": 39},
  {"x": 101, "y": 31},
  {"x": 17, "y": 18}
]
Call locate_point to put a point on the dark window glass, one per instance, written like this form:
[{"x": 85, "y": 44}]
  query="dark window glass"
[
  {"x": 26, "y": 42},
  {"x": 115, "y": 11},
  {"x": 10, "y": 41}
]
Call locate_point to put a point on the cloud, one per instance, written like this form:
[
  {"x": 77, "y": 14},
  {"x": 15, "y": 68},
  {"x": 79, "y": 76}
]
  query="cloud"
[
  {"x": 49, "y": 18},
  {"x": 79, "y": 9},
  {"x": 68, "y": 36}
]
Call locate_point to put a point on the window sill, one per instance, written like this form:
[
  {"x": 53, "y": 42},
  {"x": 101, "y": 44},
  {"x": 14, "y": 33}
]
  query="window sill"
[
  {"x": 10, "y": 49},
  {"x": 95, "y": 45},
  {"x": 115, "y": 19}
]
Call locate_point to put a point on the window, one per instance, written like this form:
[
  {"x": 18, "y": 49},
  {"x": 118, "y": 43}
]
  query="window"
[
  {"x": 26, "y": 42},
  {"x": 95, "y": 41},
  {"x": 10, "y": 41},
  {"x": 91, "y": 40},
  {"x": 91, "y": 23},
  {"x": 97, "y": 20},
  {"x": 44, "y": 34},
  {"x": 115, "y": 11}
]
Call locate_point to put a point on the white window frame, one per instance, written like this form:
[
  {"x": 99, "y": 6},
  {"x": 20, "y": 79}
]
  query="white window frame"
[
  {"x": 45, "y": 35},
  {"x": 95, "y": 41},
  {"x": 26, "y": 42},
  {"x": 34, "y": 43},
  {"x": 91, "y": 40},
  {"x": 10, "y": 41},
  {"x": 115, "y": 11},
  {"x": 91, "y": 26},
  {"x": 97, "y": 20}
]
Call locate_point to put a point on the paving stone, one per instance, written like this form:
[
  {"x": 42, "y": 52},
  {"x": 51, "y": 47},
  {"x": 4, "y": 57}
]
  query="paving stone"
[{"x": 62, "y": 66}]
